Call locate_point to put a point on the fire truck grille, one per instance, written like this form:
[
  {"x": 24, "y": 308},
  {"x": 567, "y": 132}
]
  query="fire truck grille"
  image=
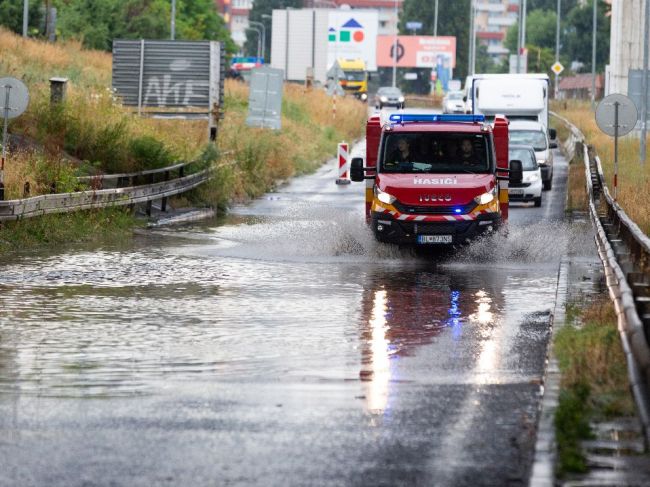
[
  {"x": 352, "y": 88},
  {"x": 434, "y": 210}
]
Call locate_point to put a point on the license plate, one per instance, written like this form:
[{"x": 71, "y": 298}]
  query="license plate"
[
  {"x": 435, "y": 239},
  {"x": 516, "y": 192}
]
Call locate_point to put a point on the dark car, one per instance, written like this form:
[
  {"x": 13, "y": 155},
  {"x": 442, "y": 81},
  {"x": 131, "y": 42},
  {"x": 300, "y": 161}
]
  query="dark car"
[{"x": 387, "y": 96}]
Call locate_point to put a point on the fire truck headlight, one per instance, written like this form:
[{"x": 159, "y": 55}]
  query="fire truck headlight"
[
  {"x": 364, "y": 97},
  {"x": 486, "y": 198},
  {"x": 384, "y": 197}
]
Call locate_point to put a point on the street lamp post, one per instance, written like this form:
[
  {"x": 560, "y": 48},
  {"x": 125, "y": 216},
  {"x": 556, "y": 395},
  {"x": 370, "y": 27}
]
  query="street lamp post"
[
  {"x": 644, "y": 89},
  {"x": 435, "y": 19},
  {"x": 25, "y": 16},
  {"x": 263, "y": 35},
  {"x": 593, "y": 56},
  {"x": 173, "y": 21},
  {"x": 259, "y": 39},
  {"x": 395, "y": 49},
  {"x": 557, "y": 45},
  {"x": 470, "y": 53}
]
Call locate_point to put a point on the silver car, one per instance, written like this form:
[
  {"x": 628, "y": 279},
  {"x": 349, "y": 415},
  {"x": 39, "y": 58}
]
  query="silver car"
[
  {"x": 453, "y": 102},
  {"x": 387, "y": 96}
]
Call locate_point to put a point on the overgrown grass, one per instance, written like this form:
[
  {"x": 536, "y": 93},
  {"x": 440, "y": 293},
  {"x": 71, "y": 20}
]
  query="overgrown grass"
[
  {"x": 594, "y": 378},
  {"x": 58, "y": 229},
  {"x": 633, "y": 179},
  {"x": 93, "y": 133}
]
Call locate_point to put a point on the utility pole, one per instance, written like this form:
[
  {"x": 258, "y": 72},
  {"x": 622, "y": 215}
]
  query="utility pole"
[
  {"x": 173, "y": 21},
  {"x": 519, "y": 37},
  {"x": 25, "y": 17},
  {"x": 474, "y": 38},
  {"x": 557, "y": 46},
  {"x": 644, "y": 90},
  {"x": 435, "y": 20},
  {"x": 395, "y": 49},
  {"x": 593, "y": 56},
  {"x": 470, "y": 57}
]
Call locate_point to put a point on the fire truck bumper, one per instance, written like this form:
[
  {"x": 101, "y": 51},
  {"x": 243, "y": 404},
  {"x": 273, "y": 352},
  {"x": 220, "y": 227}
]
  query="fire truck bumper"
[{"x": 409, "y": 232}]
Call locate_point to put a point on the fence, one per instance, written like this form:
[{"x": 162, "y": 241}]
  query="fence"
[
  {"x": 625, "y": 253},
  {"x": 129, "y": 189}
]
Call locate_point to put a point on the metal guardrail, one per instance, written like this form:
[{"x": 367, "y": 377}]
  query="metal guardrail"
[
  {"x": 124, "y": 194},
  {"x": 625, "y": 253}
]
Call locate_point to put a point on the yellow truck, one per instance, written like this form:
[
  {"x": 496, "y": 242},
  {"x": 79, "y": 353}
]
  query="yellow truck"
[{"x": 354, "y": 79}]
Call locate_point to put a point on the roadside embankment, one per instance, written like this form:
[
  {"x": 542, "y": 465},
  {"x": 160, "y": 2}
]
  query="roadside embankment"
[
  {"x": 633, "y": 179},
  {"x": 91, "y": 133}
]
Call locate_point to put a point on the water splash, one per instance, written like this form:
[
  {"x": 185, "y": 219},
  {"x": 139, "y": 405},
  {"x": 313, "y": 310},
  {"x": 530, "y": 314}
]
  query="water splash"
[{"x": 541, "y": 242}]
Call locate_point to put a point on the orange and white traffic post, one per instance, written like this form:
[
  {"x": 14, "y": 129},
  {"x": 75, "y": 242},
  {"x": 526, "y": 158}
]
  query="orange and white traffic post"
[{"x": 343, "y": 163}]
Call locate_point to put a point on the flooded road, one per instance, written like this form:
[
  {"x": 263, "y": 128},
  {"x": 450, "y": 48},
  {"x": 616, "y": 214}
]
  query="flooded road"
[{"x": 281, "y": 347}]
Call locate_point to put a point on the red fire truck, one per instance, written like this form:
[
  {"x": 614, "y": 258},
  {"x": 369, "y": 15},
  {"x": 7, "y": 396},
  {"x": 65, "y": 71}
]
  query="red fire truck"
[{"x": 435, "y": 179}]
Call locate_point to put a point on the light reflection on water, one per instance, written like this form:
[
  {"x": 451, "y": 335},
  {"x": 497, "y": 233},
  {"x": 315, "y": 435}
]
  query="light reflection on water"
[{"x": 240, "y": 303}]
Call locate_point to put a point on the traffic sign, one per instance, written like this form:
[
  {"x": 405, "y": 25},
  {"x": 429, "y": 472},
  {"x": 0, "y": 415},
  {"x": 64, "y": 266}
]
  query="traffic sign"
[
  {"x": 414, "y": 25},
  {"x": 557, "y": 68},
  {"x": 14, "y": 99},
  {"x": 16, "y": 103},
  {"x": 616, "y": 115}
]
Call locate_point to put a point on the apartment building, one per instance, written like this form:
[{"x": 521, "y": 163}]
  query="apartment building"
[
  {"x": 493, "y": 19},
  {"x": 235, "y": 14}
]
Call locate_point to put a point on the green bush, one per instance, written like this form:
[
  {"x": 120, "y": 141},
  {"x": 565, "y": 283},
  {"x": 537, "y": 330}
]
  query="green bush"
[{"x": 150, "y": 153}]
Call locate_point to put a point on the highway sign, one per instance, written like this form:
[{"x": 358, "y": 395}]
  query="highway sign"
[{"x": 557, "y": 68}]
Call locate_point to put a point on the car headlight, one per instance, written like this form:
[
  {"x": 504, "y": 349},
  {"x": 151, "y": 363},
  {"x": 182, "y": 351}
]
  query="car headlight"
[
  {"x": 542, "y": 162},
  {"x": 486, "y": 198},
  {"x": 384, "y": 99},
  {"x": 531, "y": 178},
  {"x": 384, "y": 197},
  {"x": 364, "y": 96},
  {"x": 400, "y": 99}
]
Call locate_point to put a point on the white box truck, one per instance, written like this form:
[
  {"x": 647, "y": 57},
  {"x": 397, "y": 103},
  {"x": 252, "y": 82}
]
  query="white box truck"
[{"x": 517, "y": 96}]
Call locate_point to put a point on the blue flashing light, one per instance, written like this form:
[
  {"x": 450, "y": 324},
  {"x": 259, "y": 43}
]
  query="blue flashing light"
[
  {"x": 457, "y": 210},
  {"x": 434, "y": 117}
]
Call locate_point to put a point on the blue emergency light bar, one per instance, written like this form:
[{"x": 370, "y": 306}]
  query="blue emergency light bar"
[{"x": 434, "y": 117}]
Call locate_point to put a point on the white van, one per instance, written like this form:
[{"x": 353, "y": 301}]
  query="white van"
[{"x": 524, "y": 132}]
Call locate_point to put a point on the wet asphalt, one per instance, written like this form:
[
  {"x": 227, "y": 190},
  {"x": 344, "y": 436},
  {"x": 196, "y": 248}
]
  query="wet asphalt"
[{"x": 281, "y": 346}]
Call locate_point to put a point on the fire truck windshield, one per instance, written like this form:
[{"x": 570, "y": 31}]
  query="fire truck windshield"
[{"x": 435, "y": 152}]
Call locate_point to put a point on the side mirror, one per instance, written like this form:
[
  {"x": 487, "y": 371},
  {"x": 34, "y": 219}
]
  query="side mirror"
[
  {"x": 552, "y": 133},
  {"x": 465, "y": 98},
  {"x": 553, "y": 145},
  {"x": 516, "y": 172},
  {"x": 369, "y": 76},
  {"x": 356, "y": 169}
]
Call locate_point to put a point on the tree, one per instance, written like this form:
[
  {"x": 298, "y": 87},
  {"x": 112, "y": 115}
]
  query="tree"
[
  {"x": 566, "y": 5},
  {"x": 541, "y": 26},
  {"x": 578, "y": 37},
  {"x": 453, "y": 20},
  {"x": 11, "y": 16},
  {"x": 257, "y": 13},
  {"x": 97, "y": 22}
]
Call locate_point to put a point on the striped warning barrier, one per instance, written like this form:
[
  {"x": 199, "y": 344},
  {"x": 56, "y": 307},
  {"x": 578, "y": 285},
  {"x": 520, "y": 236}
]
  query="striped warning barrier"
[{"x": 343, "y": 164}]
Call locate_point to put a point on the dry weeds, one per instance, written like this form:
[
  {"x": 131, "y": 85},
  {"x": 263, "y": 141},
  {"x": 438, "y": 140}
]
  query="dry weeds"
[{"x": 633, "y": 179}]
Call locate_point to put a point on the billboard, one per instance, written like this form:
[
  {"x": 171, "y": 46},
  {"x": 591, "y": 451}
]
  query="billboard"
[
  {"x": 352, "y": 34},
  {"x": 417, "y": 51}
]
